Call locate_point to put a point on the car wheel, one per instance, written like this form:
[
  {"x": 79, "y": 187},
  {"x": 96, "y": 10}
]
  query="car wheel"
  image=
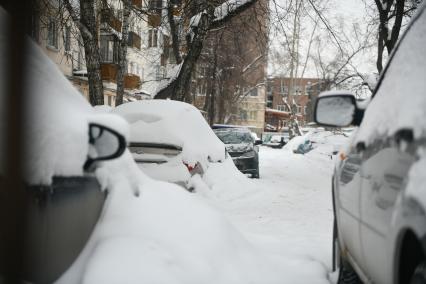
[{"x": 419, "y": 275}]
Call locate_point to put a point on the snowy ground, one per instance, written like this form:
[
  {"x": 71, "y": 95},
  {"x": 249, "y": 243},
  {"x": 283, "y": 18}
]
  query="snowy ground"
[{"x": 288, "y": 212}]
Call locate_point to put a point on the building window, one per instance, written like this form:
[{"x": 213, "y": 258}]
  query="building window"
[
  {"x": 52, "y": 33},
  {"x": 282, "y": 107},
  {"x": 283, "y": 89},
  {"x": 297, "y": 90},
  {"x": 109, "y": 100},
  {"x": 304, "y": 110},
  {"x": 153, "y": 38},
  {"x": 253, "y": 115},
  {"x": 35, "y": 26},
  {"x": 67, "y": 38},
  {"x": 270, "y": 89},
  {"x": 243, "y": 115},
  {"x": 253, "y": 92},
  {"x": 299, "y": 109},
  {"x": 155, "y": 4},
  {"x": 108, "y": 49}
]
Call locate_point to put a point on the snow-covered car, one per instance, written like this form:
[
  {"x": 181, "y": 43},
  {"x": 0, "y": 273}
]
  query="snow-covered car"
[
  {"x": 170, "y": 140},
  {"x": 64, "y": 143},
  {"x": 242, "y": 148},
  {"x": 379, "y": 184},
  {"x": 275, "y": 139}
]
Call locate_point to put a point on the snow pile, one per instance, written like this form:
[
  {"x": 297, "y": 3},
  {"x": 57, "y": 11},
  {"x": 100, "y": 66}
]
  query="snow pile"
[
  {"x": 400, "y": 101},
  {"x": 174, "y": 123},
  {"x": 164, "y": 235},
  {"x": 323, "y": 142},
  {"x": 223, "y": 181}
]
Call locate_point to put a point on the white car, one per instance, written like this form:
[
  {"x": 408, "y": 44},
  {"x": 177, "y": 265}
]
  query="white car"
[
  {"x": 379, "y": 184},
  {"x": 170, "y": 140}
]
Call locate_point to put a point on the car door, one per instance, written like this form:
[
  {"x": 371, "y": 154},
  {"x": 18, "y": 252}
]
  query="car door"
[
  {"x": 347, "y": 197},
  {"x": 384, "y": 170},
  {"x": 391, "y": 129}
]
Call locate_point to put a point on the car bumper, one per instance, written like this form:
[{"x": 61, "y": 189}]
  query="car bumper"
[{"x": 246, "y": 165}]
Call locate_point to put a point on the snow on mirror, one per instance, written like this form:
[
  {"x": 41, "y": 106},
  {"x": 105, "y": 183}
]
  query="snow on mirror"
[
  {"x": 105, "y": 144},
  {"x": 335, "y": 110}
]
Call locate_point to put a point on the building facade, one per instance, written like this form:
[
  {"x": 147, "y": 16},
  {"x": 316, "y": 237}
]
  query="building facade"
[
  {"x": 301, "y": 99},
  {"x": 230, "y": 77}
]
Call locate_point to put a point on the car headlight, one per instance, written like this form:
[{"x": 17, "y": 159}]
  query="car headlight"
[{"x": 249, "y": 154}]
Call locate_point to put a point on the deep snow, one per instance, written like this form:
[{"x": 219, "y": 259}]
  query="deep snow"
[{"x": 287, "y": 213}]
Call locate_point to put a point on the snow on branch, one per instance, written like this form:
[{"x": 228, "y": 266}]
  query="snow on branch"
[{"x": 230, "y": 8}]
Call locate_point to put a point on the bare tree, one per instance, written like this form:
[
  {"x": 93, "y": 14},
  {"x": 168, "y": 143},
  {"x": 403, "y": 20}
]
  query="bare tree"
[
  {"x": 84, "y": 17},
  {"x": 206, "y": 16},
  {"x": 389, "y": 16}
]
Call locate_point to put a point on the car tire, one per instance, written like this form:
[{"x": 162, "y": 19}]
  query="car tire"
[
  {"x": 256, "y": 174},
  {"x": 346, "y": 273},
  {"x": 419, "y": 275}
]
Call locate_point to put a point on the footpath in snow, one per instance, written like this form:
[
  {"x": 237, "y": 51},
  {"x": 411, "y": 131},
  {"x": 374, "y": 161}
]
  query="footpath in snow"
[{"x": 287, "y": 213}]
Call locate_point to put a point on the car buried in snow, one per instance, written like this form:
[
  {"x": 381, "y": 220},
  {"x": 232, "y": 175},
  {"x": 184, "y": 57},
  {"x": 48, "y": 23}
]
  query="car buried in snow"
[
  {"x": 170, "y": 140},
  {"x": 64, "y": 143},
  {"x": 379, "y": 183},
  {"x": 243, "y": 149}
]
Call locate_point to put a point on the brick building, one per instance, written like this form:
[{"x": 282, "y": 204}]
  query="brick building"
[
  {"x": 232, "y": 67},
  {"x": 302, "y": 99}
]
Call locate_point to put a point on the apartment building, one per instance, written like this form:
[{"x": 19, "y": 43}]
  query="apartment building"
[
  {"x": 59, "y": 38},
  {"x": 301, "y": 99},
  {"x": 231, "y": 72}
]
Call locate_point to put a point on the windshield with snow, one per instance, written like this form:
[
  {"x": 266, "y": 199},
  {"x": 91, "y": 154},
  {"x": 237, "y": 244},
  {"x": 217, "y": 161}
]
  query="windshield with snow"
[{"x": 234, "y": 137}]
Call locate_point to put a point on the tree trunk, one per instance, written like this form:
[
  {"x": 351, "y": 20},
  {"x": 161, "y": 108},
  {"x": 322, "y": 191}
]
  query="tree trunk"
[
  {"x": 174, "y": 32},
  {"x": 122, "y": 52},
  {"x": 178, "y": 89},
  {"x": 86, "y": 24},
  {"x": 213, "y": 89},
  {"x": 91, "y": 52}
]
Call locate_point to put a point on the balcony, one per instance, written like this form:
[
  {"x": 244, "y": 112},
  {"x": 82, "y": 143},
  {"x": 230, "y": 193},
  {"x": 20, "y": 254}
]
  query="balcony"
[
  {"x": 154, "y": 20},
  {"x": 137, "y": 3},
  {"x": 109, "y": 18},
  {"x": 134, "y": 40},
  {"x": 109, "y": 71},
  {"x": 132, "y": 81}
]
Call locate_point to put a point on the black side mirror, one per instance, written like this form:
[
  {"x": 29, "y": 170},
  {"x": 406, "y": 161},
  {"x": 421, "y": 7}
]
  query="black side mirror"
[
  {"x": 337, "y": 110},
  {"x": 105, "y": 144},
  {"x": 258, "y": 142}
]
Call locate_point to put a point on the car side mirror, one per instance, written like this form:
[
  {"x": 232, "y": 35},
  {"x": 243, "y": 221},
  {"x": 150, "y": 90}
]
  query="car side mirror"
[
  {"x": 105, "y": 144},
  {"x": 258, "y": 142},
  {"x": 337, "y": 110}
]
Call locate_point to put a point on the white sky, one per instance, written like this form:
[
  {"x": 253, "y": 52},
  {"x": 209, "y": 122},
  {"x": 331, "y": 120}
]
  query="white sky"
[{"x": 350, "y": 11}]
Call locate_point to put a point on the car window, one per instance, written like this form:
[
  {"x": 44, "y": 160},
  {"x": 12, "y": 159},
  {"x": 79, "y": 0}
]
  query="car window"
[
  {"x": 400, "y": 100},
  {"x": 234, "y": 137}
]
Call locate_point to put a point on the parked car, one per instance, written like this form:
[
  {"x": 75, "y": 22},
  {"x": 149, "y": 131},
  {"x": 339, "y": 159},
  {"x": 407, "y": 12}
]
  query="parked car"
[
  {"x": 379, "y": 184},
  {"x": 242, "y": 148},
  {"x": 63, "y": 143},
  {"x": 275, "y": 139},
  {"x": 170, "y": 140}
]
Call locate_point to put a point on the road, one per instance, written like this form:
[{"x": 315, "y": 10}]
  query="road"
[{"x": 289, "y": 213}]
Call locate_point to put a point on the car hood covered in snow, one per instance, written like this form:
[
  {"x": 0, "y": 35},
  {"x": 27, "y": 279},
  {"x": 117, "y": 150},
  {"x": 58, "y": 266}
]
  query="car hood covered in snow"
[
  {"x": 243, "y": 147},
  {"x": 174, "y": 123}
]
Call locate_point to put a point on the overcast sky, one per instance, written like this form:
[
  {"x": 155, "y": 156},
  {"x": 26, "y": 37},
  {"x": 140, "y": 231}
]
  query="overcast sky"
[{"x": 350, "y": 11}]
